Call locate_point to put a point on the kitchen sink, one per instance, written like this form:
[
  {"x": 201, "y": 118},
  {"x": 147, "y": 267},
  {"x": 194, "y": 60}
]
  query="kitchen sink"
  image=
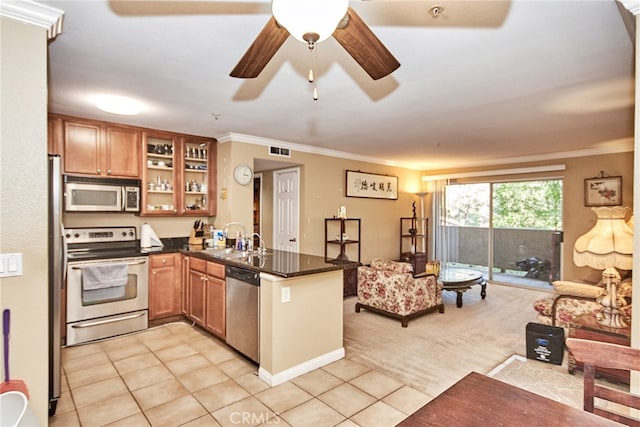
[{"x": 226, "y": 253}]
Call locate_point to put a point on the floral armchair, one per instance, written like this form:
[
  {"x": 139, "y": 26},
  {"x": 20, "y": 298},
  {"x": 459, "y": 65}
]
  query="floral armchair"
[
  {"x": 389, "y": 288},
  {"x": 572, "y": 299}
]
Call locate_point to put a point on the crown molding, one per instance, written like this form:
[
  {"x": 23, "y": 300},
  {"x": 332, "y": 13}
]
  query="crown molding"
[
  {"x": 31, "y": 12},
  {"x": 619, "y": 146},
  {"x": 267, "y": 142},
  {"x": 632, "y": 6}
]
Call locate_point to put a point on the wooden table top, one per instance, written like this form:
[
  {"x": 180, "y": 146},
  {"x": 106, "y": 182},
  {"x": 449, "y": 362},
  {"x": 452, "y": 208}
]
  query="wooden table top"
[{"x": 478, "y": 400}]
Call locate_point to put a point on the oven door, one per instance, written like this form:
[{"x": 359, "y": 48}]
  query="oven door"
[{"x": 111, "y": 308}]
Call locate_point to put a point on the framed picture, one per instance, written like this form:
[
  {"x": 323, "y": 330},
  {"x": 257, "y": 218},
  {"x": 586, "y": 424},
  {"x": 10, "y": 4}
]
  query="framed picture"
[
  {"x": 604, "y": 191},
  {"x": 371, "y": 185}
]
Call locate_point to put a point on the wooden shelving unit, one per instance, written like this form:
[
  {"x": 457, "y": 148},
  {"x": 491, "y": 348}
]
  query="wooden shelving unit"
[
  {"x": 413, "y": 242},
  {"x": 335, "y": 231}
]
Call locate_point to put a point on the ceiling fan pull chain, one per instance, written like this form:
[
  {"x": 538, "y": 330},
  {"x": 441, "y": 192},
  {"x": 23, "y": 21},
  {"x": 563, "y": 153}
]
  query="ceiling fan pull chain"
[{"x": 312, "y": 70}]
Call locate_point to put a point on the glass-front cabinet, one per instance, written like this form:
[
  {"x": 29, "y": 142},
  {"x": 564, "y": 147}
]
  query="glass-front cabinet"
[
  {"x": 159, "y": 176},
  {"x": 178, "y": 175},
  {"x": 196, "y": 173}
]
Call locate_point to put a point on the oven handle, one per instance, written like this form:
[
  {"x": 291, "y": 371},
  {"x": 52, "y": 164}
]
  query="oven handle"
[
  {"x": 128, "y": 263},
  {"x": 103, "y": 322}
]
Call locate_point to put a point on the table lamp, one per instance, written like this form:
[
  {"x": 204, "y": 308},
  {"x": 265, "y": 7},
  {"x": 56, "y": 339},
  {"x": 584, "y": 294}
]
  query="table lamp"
[{"x": 607, "y": 246}]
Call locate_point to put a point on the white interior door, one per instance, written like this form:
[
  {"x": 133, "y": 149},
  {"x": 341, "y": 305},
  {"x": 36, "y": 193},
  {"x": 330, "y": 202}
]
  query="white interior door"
[{"x": 286, "y": 207}]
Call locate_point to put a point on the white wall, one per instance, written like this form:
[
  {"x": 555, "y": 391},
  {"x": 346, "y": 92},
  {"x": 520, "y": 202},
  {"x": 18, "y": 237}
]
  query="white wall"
[{"x": 23, "y": 201}]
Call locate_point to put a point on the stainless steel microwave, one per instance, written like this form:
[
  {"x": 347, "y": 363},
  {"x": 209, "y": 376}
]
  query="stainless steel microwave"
[{"x": 83, "y": 194}]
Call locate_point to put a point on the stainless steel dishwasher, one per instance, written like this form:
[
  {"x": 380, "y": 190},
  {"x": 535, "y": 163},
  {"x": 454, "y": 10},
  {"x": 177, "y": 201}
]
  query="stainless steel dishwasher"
[{"x": 243, "y": 302}]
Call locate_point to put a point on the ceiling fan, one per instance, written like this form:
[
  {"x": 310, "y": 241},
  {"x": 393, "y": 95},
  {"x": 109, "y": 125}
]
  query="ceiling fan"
[{"x": 343, "y": 23}]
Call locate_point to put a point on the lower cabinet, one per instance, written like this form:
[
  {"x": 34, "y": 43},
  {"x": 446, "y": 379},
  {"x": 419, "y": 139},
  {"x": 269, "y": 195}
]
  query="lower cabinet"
[
  {"x": 184, "y": 309},
  {"x": 197, "y": 289},
  {"x": 165, "y": 290},
  {"x": 215, "y": 315},
  {"x": 206, "y": 294}
]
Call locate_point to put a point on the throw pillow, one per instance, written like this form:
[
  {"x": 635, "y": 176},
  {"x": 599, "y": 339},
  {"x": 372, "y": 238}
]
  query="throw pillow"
[{"x": 564, "y": 287}]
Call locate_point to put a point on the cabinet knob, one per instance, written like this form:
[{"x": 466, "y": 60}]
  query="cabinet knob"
[
  {"x": 153, "y": 272},
  {"x": 98, "y": 170},
  {"x": 164, "y": 261},
  {"x": 108, "y": 171}
]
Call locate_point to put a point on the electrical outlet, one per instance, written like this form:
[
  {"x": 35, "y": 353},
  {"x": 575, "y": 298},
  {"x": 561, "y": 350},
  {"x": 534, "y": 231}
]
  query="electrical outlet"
[{"x": 285, "y": 294}]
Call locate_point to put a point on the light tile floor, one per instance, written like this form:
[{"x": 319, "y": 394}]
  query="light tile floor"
[{"x": 176, "y": 374}]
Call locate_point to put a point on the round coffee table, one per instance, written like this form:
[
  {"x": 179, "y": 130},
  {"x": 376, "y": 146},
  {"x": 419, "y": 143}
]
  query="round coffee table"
[{"x": 460, "y": 280}]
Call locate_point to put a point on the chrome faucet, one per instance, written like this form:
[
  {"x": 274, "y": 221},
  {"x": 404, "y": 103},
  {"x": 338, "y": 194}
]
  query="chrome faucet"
[{"x": 262, "y": 248}]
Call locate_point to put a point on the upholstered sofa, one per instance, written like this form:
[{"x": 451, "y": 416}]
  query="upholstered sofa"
[
  {"x": 572, "y": 299},
  {"x": 389, "y": 287}
]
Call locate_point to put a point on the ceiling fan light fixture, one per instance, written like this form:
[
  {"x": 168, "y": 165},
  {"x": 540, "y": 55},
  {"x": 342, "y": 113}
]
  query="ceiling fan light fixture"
[{"x": 302, "y": 17}]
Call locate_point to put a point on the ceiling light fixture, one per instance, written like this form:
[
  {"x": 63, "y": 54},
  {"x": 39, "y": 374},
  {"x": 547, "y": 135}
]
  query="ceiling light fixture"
[
  {"x": 310, "y": 21},
  {"x": 116, "y": 104}
]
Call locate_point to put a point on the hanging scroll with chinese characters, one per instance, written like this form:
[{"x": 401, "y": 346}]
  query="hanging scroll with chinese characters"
[{"x": 371, "y": 185}]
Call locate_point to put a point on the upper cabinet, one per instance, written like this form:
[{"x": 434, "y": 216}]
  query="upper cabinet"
[
  {"x": 198, "y": 177},
  {"x": 160, "y": 174},
  {"x": 178, "y": 175},
  {"x": 177, "y": 171},
  {"x": 99, "y": 149}
]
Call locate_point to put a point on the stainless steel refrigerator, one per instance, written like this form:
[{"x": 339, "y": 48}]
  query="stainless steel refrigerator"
[{"x": 56, "y": 278}]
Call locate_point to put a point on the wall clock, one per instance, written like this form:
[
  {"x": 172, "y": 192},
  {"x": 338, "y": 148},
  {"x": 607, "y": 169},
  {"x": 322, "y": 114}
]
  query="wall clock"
[{"x": 243, "y": 174}]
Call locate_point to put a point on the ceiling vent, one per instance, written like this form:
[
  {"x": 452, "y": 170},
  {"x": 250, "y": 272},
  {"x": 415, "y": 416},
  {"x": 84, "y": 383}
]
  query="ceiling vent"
[{"x": 281, "y": 152}]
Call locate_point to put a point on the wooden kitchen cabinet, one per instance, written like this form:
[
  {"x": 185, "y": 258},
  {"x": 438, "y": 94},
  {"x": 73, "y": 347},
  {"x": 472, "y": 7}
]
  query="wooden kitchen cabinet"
[
  {"x": 184, "y": 309},
  {"x": 215, "y": 310},
  {"x": 55, "y": 135},
  {"x": 160, "y": 174},
  {"x": 178, "y": 175},
  {"x": 101, "y": 149},
  {"x": 197, "y": 288},
  {"x": 206, "y": 293},
  {"x": 165, "y": 290},
  {"x": 197, "y": 176}
]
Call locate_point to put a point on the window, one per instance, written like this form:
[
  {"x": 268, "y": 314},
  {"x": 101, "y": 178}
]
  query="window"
[{"x": 510, "y": 230}]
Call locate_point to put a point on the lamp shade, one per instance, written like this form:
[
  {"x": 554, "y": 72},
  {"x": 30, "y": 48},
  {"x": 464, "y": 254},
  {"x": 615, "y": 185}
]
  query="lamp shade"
[
  {"x": 300, "y": 17},
  {"x": 608, "y": 244}
]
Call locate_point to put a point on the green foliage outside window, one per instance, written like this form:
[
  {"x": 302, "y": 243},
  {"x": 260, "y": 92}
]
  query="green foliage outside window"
[{"x": 533, "y": 205}]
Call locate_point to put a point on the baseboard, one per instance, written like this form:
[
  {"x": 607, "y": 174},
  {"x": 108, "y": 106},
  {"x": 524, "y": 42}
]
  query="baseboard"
[{"x": 303, "y": 368}]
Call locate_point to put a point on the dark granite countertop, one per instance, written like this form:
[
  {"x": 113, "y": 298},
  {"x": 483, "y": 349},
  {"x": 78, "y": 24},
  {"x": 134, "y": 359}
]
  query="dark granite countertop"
[{"x": 278, "y": 263}]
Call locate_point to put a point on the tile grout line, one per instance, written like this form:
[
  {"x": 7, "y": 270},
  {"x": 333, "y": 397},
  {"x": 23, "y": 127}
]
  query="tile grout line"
[{"x": 253, "y": 394}]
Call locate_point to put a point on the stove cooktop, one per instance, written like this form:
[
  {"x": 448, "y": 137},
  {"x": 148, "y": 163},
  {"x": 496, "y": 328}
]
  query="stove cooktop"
[{"x": 101, "y": 243}]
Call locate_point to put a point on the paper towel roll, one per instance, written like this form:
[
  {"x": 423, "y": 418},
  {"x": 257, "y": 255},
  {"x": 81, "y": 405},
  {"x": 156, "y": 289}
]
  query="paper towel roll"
[{"x": 148, "y": 237}]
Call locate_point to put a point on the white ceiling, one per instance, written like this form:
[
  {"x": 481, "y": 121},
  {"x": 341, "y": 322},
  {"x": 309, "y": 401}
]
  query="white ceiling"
[{"x": 485, "y": 83}]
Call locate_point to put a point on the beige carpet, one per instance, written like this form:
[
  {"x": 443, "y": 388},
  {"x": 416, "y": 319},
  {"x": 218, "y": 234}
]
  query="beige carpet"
[{"x": 436, "y": 350}]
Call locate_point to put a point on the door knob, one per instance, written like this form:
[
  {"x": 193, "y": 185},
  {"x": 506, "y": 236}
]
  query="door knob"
[{"x": 292, "y": 240}]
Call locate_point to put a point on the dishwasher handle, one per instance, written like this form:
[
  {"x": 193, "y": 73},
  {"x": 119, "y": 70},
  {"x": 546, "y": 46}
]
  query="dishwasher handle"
[{"x": 247, "y": 276}]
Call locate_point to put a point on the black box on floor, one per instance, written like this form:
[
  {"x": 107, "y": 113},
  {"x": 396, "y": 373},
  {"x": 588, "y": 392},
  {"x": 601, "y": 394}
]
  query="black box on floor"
[{"x": 545, "y": 343}]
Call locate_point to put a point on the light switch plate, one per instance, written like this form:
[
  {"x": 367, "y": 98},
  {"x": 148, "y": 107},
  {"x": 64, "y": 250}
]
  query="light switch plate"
[{"x": 10, "y": 265}]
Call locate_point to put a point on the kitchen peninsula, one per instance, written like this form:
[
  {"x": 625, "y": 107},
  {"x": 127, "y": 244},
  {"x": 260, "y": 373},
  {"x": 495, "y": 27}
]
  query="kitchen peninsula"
[{"x": 300, "y": 310}]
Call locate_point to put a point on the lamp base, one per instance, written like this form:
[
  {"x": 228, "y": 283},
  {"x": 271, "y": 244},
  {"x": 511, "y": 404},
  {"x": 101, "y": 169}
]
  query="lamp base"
[{"x": 611, "y": 317}]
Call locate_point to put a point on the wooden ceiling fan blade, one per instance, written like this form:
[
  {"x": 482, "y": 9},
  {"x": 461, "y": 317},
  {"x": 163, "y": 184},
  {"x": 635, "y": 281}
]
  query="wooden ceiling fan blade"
[
  {"x": 261, "y": 51},
  {"x": 368, "y": 51}
]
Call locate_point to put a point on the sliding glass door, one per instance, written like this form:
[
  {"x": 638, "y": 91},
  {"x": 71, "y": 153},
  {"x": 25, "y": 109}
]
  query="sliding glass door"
[{"x": 510, "y": 230}]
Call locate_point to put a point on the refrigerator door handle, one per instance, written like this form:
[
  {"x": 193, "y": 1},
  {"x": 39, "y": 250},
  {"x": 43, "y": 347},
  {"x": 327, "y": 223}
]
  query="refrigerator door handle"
[{"x": 65, "y": 258}]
